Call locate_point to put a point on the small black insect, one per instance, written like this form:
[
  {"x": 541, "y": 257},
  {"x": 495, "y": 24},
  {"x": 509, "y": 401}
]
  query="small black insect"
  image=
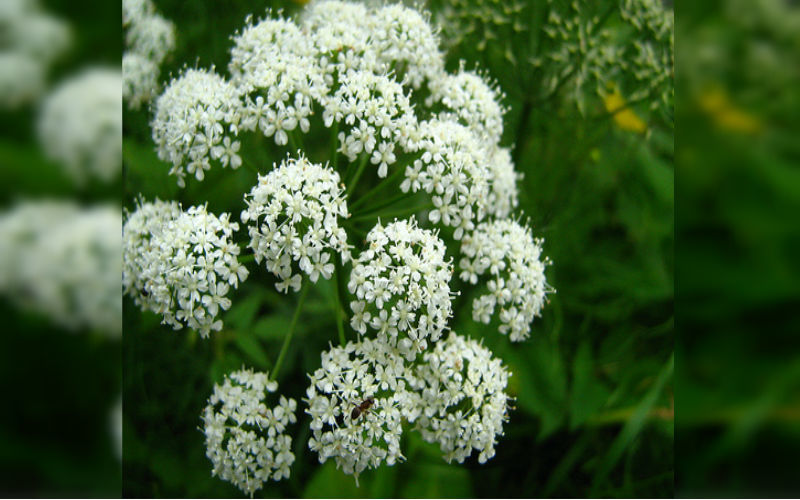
[{"x": 362, "y": 408}]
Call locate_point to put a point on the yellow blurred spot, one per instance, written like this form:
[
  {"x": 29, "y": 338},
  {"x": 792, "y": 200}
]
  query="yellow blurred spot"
[
  {"x": 300, "y": 2},
  {"x": 716, "y": 103},
  {"x": 625, "y": 117}
]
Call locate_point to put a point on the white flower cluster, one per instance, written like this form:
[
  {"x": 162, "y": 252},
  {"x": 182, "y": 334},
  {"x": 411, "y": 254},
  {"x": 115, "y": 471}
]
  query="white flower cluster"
[
  {"x": 273, "y": 66},
  {"x": 246, "y": 440},
  {"x": 195, "y": 120},
  {"x": 459, "y": 398},
  {"x": 293, "y": 216},
  {"x": 401, "y": 284},
  {"x": 379, "y": 115},
  {"x": 180, "y": 264},
  {"x": 468, "y": 97},
  {"x": 454, "y": 169},
  {"x": 80, "y": 125},
  {"x": 517, "y": 286},
  {"x": 31, "y": 41},
  {"x": 149, "y": 38},
  {"x": 502, "y": 198},
  {"x": 63, "y": 261},
  {"x": 355, "y": 400}
]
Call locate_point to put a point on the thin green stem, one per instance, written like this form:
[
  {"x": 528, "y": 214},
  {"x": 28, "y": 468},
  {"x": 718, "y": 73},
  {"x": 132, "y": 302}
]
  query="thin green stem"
[
  {"x": 247, "y": 258},
  {"x": 353, "y": 183},
  {"x": 399, "y": 213},
  {"x": 383, "y": 205},
  {"x": 247, "y": 163},
  {"x": 335, "y": 146},
  {"x": 339, "y": 309},
  {"x": 288, "y": 338},
  {"x": 293, "y": 144},
  {"x": 380, "y": 187}
]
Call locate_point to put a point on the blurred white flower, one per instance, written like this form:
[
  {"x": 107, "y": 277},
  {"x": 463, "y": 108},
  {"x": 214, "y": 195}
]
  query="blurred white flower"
[
  {"x": 63, "y": 261},
  {"x": 458, "y": 398},
  {"x": 246, "y": 440},
  {"x": 181, "y": 264},
  {"x": 139, "y": 82},
  {"x": 293, "y": 217},
  {"x": 511, "y": 257},
  {"x": 355, "y": 400},
  {"x": 80, "y": 125},
  {"x": 503, "y": 193},
  {"x": 401, "y": 283},
  {"x": 471, "y": 99}
]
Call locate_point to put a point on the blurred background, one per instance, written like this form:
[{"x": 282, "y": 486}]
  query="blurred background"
[
  {"x": 60, "y": 223},
  {"x": 738, "y": 377},
  {"x": 594, "y": 409}
]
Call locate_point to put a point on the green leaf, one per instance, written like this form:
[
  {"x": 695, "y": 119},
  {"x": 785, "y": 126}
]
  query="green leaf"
[
  {"x": 273, "y": 327},
  {"x": 588, "y": 393},
  {"x": 243, "y": 312},
  {"x": 249, "y": 345},
  {"x": 438, "y": 481},
  {"x": 328, "y": 482}
]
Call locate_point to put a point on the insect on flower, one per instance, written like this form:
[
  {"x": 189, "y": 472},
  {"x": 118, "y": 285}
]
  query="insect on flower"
[{"x": 362, "y": 408}]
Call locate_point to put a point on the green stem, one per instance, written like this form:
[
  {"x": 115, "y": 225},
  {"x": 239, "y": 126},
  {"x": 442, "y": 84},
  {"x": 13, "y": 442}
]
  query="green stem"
[
  {"x": 399, "y": 213},
  {"x": 339, "y": 309},
  {"x": 288, "y": 338},
  {"x": 383, "y": 205},
  {"x": 381, "y": 185},
  {"x": 352, "y": 184},
  {"x": 335, "y": 147},
  {"x": 247, "y": 258}
]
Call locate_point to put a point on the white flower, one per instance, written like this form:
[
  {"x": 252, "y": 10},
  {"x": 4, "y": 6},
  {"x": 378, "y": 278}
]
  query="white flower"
[
  {"x": 511, "y": 257},
  {"x": 373, "y": 114},
  {"x": 139, "y": 75},
  {"x": 152, "y": 37},
  {"x": 272, "y": 65},
  {"x": 192, "y": 117},
  {"x": 80, "y": 125},
  {"x": 64, "y": 262},
  {"x": 503, "y": 197},
  {"x": 180, "y": 264},
  {"x": 401, "y": 286},
  {"x": 404, "y": 41},
  {"x": 21, "y": 79},
  {"x": 468, "y": 97},
  {"x": 454, "y": 170},
  {"x": 293, "y": 220},
  {"x": 246, "y": 440},
  {"x": 355, "y": 400},
  {"x": 459, "y": 398}
]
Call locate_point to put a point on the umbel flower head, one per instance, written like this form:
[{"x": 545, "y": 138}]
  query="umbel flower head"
[
  {"x": 80, "y": 125},
  {"x": 246, "y": 440},
  {"x": 181, "y": 264},
  {"x": 63, "y": 261},
  {"x": 459, "y": 398},
  {"x": 453, "y": 169},
  {"x": 355, "y": 400},
  {"x": 401, "y": 283},
  {"x": 149, "y": 38},
  {"x": 293, "y": 217},
  {"x": 196, "y": 121},
  {"x": 511, "y": 257}
]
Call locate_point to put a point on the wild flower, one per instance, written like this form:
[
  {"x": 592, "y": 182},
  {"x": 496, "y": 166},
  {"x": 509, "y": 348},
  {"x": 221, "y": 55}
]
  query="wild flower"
[
  {"x": 32, "y": 40},
  {"x": 371, "y": 372},
  {"x": 458, "y": 398},
  {"x": 62, "y": 261},
  {"x": 246, "y": 440},
  {"x": 195, "y": 122},
  {"x": 181, "y": 264},
  {"x": 293, "y": 221},
  {"x": 401, "y": 287},
  {"x": 149, "y": 38},
  {"x": 506, "y": 251},
  {"x": 374, "y": 81},
  {"x": 80, "y": 125}
]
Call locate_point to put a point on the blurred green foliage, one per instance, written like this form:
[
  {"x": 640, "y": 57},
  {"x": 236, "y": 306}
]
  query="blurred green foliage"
[
  {"x": 593, "y": 386},
  {"x": 59, "y": 387},
  {"x": 739, "y": 378}
]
